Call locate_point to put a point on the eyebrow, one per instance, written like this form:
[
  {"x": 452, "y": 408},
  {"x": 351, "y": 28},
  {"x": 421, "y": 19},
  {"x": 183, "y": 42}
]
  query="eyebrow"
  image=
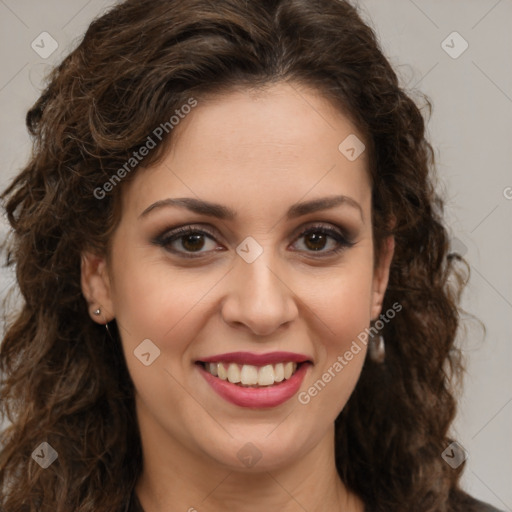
[{"x": 219, "y": 211}]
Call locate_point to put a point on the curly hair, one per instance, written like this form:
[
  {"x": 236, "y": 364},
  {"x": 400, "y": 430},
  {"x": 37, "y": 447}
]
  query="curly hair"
[{"x": 65, "y": 382}]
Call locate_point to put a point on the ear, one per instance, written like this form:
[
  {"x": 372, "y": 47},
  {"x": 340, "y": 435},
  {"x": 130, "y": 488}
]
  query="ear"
[
  {"x": 381, "y": 276},
  {"x": 96, "y": 287}
]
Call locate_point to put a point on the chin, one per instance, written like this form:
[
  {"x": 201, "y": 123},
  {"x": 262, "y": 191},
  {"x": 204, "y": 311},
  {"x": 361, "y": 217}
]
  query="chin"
[{"x": 259, "y": 448}]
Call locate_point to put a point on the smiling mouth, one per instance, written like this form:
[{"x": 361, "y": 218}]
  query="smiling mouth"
[{"x": 251, "y": 376}]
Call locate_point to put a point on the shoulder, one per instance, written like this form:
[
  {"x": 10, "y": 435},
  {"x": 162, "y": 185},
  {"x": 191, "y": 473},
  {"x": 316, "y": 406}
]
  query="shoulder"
[
  {"x": 466, "y": 503},
  {"x": 471, "y": 504}
]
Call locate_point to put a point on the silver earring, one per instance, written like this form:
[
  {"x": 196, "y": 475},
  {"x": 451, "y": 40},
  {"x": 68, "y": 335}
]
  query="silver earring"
[
  {"x": 108, "y": 332},
  {"x": 97, "y": 312},
  {"x": 377, "y": 348}
]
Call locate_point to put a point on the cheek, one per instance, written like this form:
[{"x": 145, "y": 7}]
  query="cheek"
[
  {"x": 163, "y": 305},
  {"x": 342, "y": 300},
  {"x": 153, "y": 299},
  {"x": 156, "y": 300},
  {"x": 342, "y": 304},
  {"x": 348, "y": 311},
  {"x": 340, "y": 347}
]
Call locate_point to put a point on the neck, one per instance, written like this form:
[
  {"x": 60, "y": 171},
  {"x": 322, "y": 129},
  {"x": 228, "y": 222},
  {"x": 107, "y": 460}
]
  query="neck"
[{"x": 174, "y": 479}]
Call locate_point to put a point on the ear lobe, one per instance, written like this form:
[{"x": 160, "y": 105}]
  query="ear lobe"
[
  {"x": 381, "y": 276},
  {"x": 96, "y": 287}
]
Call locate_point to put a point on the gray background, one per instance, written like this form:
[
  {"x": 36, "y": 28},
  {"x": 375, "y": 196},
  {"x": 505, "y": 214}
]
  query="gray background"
[{"x": 470, "y": 128}]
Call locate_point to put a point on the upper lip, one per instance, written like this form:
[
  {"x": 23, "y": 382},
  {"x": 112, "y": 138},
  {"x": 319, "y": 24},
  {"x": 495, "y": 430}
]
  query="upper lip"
[{"x": 256, "y": 359}]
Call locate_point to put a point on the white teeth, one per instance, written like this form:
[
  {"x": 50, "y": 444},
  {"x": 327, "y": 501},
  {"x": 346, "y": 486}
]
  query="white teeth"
[
  {"x": 234, "y": 373},
  {"x": 279, "y": 372},
  {"x": 221, "y": 371},
  {"x": 212, "y": 368},
  {"x": 250, "y": 375},
  {"x": 288, "y": 370},
  {"x": 266, "y": 375}
]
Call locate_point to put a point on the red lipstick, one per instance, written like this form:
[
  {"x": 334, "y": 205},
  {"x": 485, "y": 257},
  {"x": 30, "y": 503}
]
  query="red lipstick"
[
  {"x": 256, "y": 359},
  {"x": 262, "y": 396}
]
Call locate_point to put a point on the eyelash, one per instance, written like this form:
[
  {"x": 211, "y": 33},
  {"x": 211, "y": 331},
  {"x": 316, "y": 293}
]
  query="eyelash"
[{"x": 164, "y": 240}]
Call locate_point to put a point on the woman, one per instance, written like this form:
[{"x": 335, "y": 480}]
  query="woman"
[{"x": 234, "y": 266}]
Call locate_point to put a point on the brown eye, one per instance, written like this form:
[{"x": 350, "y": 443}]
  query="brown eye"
[
  {"x": 317, "y": 238},
  {"x": 190, "y": 241},
  {"x": 193, "y": 242},
  {"x": 316, "y": 241},
  {"x": 186, "y": 241}
]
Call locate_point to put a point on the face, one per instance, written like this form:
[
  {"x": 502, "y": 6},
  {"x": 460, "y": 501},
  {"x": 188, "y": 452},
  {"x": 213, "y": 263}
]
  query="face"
[{"x": 277, "y": 276}]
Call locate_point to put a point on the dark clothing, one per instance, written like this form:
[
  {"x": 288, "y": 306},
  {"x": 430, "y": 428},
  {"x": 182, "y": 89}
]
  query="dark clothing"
[
  {"x": 470, "y": 505},
  {"x": 473, "y": 505}
]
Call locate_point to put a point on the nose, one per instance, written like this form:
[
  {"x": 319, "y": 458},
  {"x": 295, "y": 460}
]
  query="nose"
[{"x": 259, "y": 298}]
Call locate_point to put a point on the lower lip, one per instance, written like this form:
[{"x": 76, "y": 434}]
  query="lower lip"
[{"x": 270, "y": 396}]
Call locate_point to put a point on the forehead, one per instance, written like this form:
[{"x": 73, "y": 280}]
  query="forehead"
[{"x": 278, "y": 144}]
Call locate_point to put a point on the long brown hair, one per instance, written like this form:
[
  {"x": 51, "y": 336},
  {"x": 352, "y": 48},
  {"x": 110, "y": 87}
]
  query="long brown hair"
[{"x": 65, "y": 382}]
